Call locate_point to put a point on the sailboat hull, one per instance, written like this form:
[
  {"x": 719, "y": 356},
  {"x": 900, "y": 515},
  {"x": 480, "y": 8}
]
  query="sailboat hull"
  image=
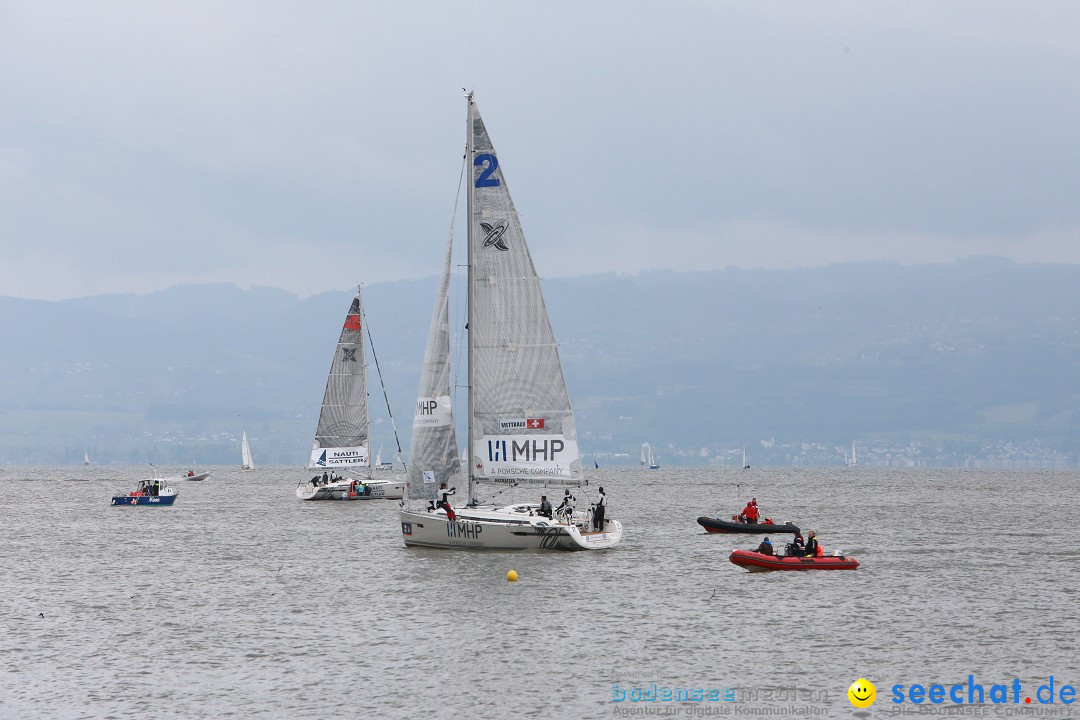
[
  {"x": 348, "y": 490},
  {"x": 143, "y": 500},
  {"x": 484, "y": 531}
]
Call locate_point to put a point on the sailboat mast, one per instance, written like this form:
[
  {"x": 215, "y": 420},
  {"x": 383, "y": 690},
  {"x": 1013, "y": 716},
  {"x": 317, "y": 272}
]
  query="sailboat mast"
[
  {"x": 469, "y": 300},
  {"x": 360, "y": 339}
]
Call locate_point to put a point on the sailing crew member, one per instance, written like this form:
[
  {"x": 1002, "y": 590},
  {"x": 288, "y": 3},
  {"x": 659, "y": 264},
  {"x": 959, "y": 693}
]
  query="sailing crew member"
[
  {"x": 812, "y": 546},
  {"x": 444, "y": 501},
  {"x": 566, "y": 509},
  {"x": 765, "y": 548},
  {"x": 598, "y": 512},
  {"x": 545, "y": 507}
]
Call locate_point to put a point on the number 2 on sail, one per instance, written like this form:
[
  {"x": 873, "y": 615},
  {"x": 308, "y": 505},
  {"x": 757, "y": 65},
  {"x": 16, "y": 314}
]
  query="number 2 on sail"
[{"x": 485, "y": 179}]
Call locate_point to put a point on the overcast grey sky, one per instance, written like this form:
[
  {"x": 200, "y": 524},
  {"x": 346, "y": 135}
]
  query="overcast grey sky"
[{"x": 312, "y": 145}]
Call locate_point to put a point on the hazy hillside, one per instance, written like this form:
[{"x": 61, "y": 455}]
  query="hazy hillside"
[{"x": 941, "y": 363}]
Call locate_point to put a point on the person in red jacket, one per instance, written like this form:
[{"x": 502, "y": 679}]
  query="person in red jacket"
[{"x": 750, "y": 512}]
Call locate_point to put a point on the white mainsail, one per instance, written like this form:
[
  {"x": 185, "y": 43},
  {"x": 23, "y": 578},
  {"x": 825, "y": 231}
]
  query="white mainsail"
[
  {"x": 246, "y": 462},
  {"x": 341, "y": 438},
  {"x": 433, "y": 452},
  {"x": 521, "y": 425}
]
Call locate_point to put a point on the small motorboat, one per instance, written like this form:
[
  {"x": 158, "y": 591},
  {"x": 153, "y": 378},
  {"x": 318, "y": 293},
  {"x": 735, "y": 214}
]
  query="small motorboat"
[
  {"x": 155, "y": 491},
  {"x": 192, "y": 475},
  {"x": 713, "y": 525},
  {"x": 759, "y": 562}
]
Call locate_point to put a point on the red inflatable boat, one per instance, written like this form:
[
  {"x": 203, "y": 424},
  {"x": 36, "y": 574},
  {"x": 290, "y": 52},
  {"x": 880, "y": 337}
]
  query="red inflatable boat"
[{"x": 758, "y": 562}]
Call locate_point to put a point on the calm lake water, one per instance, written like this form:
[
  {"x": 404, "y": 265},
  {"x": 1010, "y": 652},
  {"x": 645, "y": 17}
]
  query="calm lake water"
[{"x": 242, "y": 601}]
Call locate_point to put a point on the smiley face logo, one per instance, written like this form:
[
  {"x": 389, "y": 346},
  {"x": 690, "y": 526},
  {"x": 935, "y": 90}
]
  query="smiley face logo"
[{"x": 862, "y": 693}]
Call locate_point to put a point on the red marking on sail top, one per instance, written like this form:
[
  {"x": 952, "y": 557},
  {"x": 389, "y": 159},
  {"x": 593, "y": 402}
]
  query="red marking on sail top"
[
  {"x": 353, "y": 323},
  {"x": 534, "y": 423}
]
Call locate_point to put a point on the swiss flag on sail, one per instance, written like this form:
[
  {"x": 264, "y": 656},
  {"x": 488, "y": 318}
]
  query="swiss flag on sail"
[
  {"x": 353, "y": 323},
  {"x": 534, "y": 423}
]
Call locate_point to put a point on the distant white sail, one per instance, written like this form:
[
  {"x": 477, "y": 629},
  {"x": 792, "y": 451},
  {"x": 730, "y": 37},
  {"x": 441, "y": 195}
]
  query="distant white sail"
[
  {"x": 647, "y": 460},
  {"x": 246, "y": 462}
]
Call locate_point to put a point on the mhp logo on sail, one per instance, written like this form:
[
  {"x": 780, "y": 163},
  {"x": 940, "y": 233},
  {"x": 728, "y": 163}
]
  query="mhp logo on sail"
[
  {"x": 426, "y": 406},
  {"x": 529, "y": 450}
]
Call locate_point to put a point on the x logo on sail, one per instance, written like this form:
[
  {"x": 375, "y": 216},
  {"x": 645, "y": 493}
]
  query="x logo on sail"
[
  {"x": 494, "y": 235},
  {"x": 349, "y": 354}
]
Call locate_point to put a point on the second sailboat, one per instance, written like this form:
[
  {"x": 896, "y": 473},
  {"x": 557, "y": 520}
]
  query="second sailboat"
[{"x": 342, "y": 435}]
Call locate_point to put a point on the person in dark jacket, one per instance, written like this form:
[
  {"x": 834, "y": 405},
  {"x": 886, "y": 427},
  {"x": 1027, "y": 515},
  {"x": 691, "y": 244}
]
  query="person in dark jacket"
[
  {"x": 598, "y": 512},
  {"x": 811, "y": 545},
  {"x": 765, "y": 548}
]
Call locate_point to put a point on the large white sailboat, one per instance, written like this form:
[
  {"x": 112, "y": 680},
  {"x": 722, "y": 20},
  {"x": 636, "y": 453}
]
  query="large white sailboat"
[
  {"x": 341, "y": 438},
  {"x": 246, "y": 461},
  {"x": 521, "y": 431}
]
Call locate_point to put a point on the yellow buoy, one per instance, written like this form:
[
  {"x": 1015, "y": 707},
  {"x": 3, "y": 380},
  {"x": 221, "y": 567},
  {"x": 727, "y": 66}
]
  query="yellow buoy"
[{"x": 512, "y": 575}]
